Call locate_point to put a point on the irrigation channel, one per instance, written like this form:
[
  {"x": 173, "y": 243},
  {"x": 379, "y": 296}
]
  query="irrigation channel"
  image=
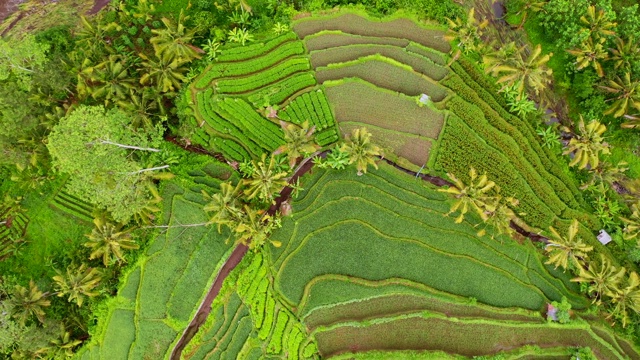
[{"x": 240, "y": 250}]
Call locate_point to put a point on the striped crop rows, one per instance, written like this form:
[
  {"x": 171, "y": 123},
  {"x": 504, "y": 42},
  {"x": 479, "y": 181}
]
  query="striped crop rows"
[
  {"x": 280, "y": 91},
  {"x": 313, "y": 107},
  {"x": 239, "y": 85},
  {"x": 247, "y": 52},
  {"x": 73, "y": 206}
]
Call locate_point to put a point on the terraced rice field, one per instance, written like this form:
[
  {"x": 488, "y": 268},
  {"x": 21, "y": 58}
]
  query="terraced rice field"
[
  {"x": 482, "y": 134},
  {"x": 343, "y": 225},
  {"x": 394, "y": 119},
  {"x": 159, "y": 297},
  {"x": 248, "y": 321}
]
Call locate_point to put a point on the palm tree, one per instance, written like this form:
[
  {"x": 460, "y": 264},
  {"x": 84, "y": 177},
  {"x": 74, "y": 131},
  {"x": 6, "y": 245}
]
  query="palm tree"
[
  {"x": 93, "y": 38},
  {"x": 534, "y": 6},
  {"x": 628, "y": 95},
  {"x": 166, "y": 74},
  {"x": 591, "y": 53},
  {"x": 587, "y": 145},
  {"x": 28, "y": 302},
  {"x": 530, "y": 72},
  {"x": 625, "y": 298},
  {"x": 361, "y": 150},
  {"x": 632, "y": 223},
  {"x": 625, "y": 54},
  {"x": 265, "y": 180},
  {"x": 475, "y": 195},
  {"x": 174, "y": 42},
  {"x": 468, "y": 34},
  {"x": 77, "y": 283},
  {"x": 107, "y": 240},
  {"x": 254, "y": 229},
  {"x": 113, "y": 80},
  {"x": 504, "y": 54},
  {"x": 141, "y": 105},
  {"x": 499, "y": 216},
  {"x": 565, "y": 250},
  {"x": 597, "y": 23},
  {"x": 298, "y": 141},
  {"x": 224, "y": 205},
  {"x": 606, "y": 173},
  {"x": 601, "y": 276},
  {"x": 64, "y": 344}
]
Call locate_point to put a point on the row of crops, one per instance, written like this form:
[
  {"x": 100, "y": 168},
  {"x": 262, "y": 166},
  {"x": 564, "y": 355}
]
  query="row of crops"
[
  {"x": 314, "y": 107},
  {"x": 482, "y": 134},
  {"x": 73, "y": 206},
  {"x": 158, "y": 298},
  {"x": 249, "y": 322}
]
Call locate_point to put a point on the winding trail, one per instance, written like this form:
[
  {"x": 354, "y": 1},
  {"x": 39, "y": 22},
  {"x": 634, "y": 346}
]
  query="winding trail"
[{"x": 240, "y": 250}]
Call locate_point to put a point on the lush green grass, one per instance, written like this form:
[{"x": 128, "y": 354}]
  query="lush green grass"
[
  {"x": 468, "y": 337},
  {"x": 53, "y": 237},
  {"x": 380, "y": 227},
  {"x": 402, "y": 28},
  {"x": 119, "y": 335}
]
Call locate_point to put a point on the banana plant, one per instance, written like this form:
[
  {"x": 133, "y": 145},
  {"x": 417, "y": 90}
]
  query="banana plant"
[
  {"x": 591, "y": 53},
  {"x": 628, "y": 95}
]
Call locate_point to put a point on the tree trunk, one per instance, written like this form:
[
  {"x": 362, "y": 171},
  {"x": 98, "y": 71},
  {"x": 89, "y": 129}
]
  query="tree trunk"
[{"x": 149, "y": 169}]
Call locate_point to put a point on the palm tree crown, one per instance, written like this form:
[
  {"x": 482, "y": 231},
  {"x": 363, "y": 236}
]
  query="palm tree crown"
[
  {"x": 587, "y": 145},
  {"x": 28, "y": 302},
  {"x": 107, "y": 240},
  {"x": 602, "y": 277},
  {"x": 265, "y": 180},
  {"x": 475, "y": 195},
  {"x": 565, "y": 250},
  {"x": 298, "y": 141},
  {"x": 361, "y": 150},
  {"x": 77, "y": 283}
]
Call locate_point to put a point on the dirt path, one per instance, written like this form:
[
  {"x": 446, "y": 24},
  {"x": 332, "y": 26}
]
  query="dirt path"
[
  {"x": 97, "y": 6},
  {"x": 205, "y": 307}
]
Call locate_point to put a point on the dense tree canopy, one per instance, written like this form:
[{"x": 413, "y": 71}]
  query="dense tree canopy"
[{"x": 102, "y": 153}]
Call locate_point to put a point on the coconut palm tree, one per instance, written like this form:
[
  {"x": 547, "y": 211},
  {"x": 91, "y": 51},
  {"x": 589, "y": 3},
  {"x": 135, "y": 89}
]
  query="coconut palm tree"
[
  {"x": 499, "y": 216},
  {"x": 77, "y": 283},
  {"x": 628, "y": 95},
  {"x": 533, "y": 6},
  {"x": 525, "y": 72},
  {"x": 28, "y": 302},
  {"x": 597, "y": 23},
  {"x": 265, "y": 180},
  {"x": 625, "y": 54},
  {"x": 167, "y": 74},
  {"x": 632, "y": 223},
  {"x": 140, "y": 105},
  {"x": 225, "y": 205},
  {"x": 113, "y": 80},
  {"x": 467, "y": 34},
  {"x": 476, "y": 195},
  {"x": 361, "y": 150},
  {"x": 625, "y": 298},
  {"x": 587, "y": 145},
  {"x": 591, "y": 53},
  {"x": 108, "y": 240},
  {"x": 564, "y": 251},
  {"x": 504, "y": 54},
  {"x": 63, "y": 344},
  {"x": 254, "y": 228},
  {"x": 601, "y": 277},
  {"x": 299, "y": 141},
  {"x": 174, "y": 42},
  {"x": 606, "y": 174}
]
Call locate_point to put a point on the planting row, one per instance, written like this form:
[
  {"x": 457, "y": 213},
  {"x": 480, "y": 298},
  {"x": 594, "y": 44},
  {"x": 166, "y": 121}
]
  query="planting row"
[
  {"x": 247, "y": 321},
  {"x": 269, "y": 76},
  {"x": 73, "y": 206},
  {"x": 467, "y": 337},
  {"x": 385, "y": 73},
  {"x": 401, "y": 28},
  {"x": 280, "y": 91},
  {"x": 328, "y": 39},
  {"x": 236, "y": 111},
  {"x": 341, "y": 54},
  {"x": 256, "y": 49},
  {"x": 345, "y": 221},
  {"x": 240, "y": 68},
  {"x": 311, "y": 106}
]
